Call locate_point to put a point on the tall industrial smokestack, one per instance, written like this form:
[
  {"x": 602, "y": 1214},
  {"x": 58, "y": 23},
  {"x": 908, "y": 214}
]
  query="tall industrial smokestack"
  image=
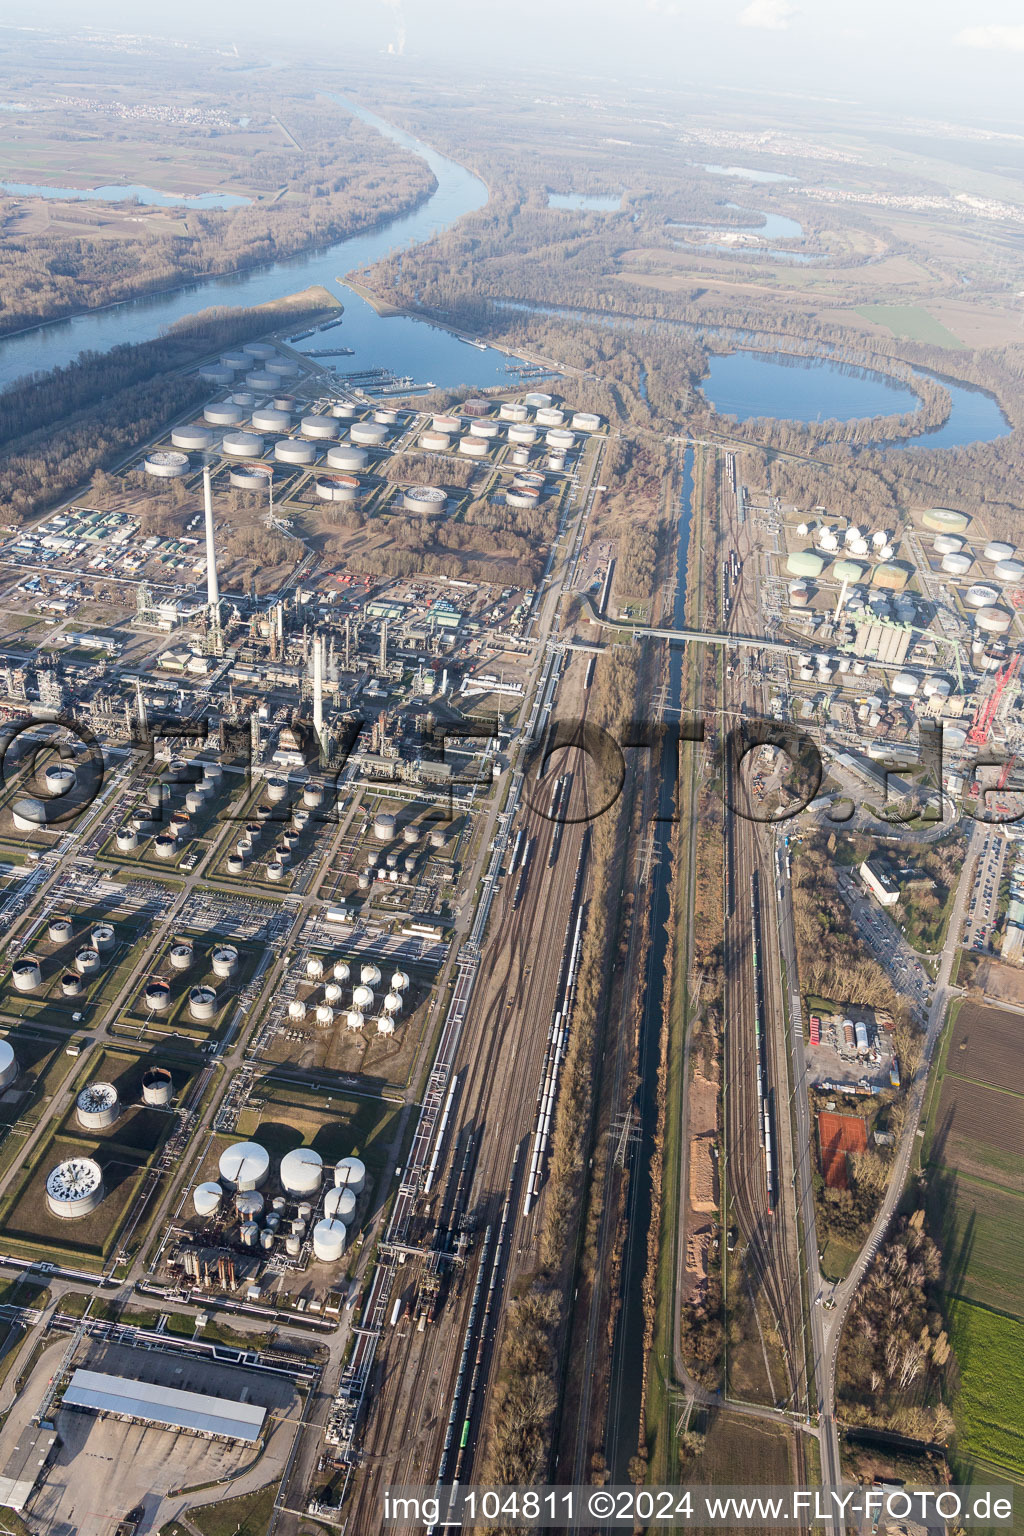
[
  {"x": 212, "y": 589},
  {"x": 318, "y": 688}
]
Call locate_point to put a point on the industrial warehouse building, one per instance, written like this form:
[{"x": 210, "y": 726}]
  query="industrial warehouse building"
[
  {"x": 880, "y": 882},
  {"x": 166, "y": 1407}
]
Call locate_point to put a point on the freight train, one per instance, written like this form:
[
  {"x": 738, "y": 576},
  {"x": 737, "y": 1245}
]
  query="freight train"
[{"x": 765, "y": 1095}]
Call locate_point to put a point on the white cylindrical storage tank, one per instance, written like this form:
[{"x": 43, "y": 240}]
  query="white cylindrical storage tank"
[
  {"x": 293, "y": 1245},
  {"x": 302, "y": 1171},
  {"x": 473, "y": 447},
  {"x": 268, "y": 420},
  {"x": 235, "y": 359},
  {"x": 354, "y": 1019},
  {"x": 224, "y": 414},
  {"x": 8, "y": 1064},
  {"x": 981, "y": 595},
  {"x": 261, "y": 380},
  {"x": 340, "y": 1205},
  {"x": 997, "y": 550},
  {"x": 904, "y": 685},
  {"x": 277, "y": 790},
  {"x": 166, "y": 464},
  {"x": 216, "y": 373},
  {"x": 157, "y": 996},
  {"x": 249, "y": 1233},
  {"x": 324, "y": 1015},
  {"x": 312, "y": 795},
  {"x": 342, "y": 971},
  {"x": 559, "y": 439},
  {"x": 225, "y": 960},
  {"x": 522, "y": 434},
  {"x": 484, "y": 429},
  {"x": 194, "y": 801},
  {"x": 251, "y": 477},
  {"x": 350, "y": 1173},
  {"x": 446, "y": 423},
  {"x": 60, "y": 779},
  {"x": 242, "y": 445},
  {"x": 243, "y": 397},
  {"x": 29, "y": 814},
  {"x": 363, "y": 882},
  {"x": 799, "y": 594},
  {"x": 347, "y": 456},
  {"x": 87, "y": 962},
  {"x": 26, "y": 974},
  {"x": 384, "y": 826},
  {"x": 1009, "y": 570},
  {"x": 956, "y": 565},
  {"x": 60, "y": 930},
  {"x": 425, "y": 500},
  {"x": 165, "y": 846},
  {"x": 97, "y": 1106},
  {"x": 181, "y": 955},
  {"x": 293, "y": 450},
  {"x": 586, "y": 421},
  {"x": 550, "y": 416},
  {"x": 435, "y": 442},
  {"x": 206, "y": 1198},
  {"x": 947, "y": 544},
  {"x": 244, "y": 1165},
  {"x": 362, "y": 999},
  {"x": 74, "y": 1188},
  {"x": 369, "y": 975},
  {"x": 994, "y": 621},
  {"x": 522, "y": 496},
  {"x": 103, "y": 938},
  {"x": 338, "y": 488},
  {"x": 267, "y": 1241},
  {"x": 195, "y": 439},
  {"x": 157, "y": 1086},
  {"x": 127, "y": 840},
  {"x": 368, "y": 433},
  {"x": 329, "y": 1239},
  {"x": 344, "y": 410},
  {"x": 281, "y": 368},
  {"x": 392, "y": 1003},
  {"x": 513, "y": 411},
  {"x": 320, "y": 427},
  {"x": 236, "y": 863},
  {"x": 202, "y": 1003},
  {"x": 261, "y": 350},
  {"x": 249, "y": 1205}
]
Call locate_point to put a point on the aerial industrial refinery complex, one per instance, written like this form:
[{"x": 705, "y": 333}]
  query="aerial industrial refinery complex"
[{"x": 294, "y": 923}]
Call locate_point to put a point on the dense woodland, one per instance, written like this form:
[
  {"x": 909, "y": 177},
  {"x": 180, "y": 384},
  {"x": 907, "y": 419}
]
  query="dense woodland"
[{"x": 345, "y": 179}]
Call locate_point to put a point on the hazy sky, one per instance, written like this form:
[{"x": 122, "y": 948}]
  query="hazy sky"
[{"x": 944, "y": 56}]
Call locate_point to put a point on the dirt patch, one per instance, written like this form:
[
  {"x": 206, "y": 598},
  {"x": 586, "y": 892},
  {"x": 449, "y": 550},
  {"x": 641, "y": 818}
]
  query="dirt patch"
[
  {"x": 1003, "y": 982},
  {"x": 987, "y": 1046},
  {"x": 981, "y": 1132},
  {"x": 839, "y": 1135},
  {"x": 703, "y": 1171}
]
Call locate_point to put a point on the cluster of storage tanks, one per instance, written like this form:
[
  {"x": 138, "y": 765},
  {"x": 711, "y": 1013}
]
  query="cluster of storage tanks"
[
  {"x": 855, "y": 1038},
  {"x": 267, "y": 1223},
  {"x": 97, "y": 947},
  {"x": 393, "y": 866},
  {"x": 193, "y": 785},
  {"x": 330, "y": 1009},
  {"x": 475, "y": 430},
  {"x": 30, "y": 813}
]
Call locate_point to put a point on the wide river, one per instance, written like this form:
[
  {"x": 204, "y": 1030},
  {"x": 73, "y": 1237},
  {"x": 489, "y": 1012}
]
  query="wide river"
[{"x": 744, "y": 384}]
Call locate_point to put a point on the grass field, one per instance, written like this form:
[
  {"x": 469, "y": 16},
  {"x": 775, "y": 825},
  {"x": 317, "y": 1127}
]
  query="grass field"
[
  {"x": 980, "y": 1131},
  {"x": 911, "y": 323},
  {"x": 989, "y": 1348},
  {"x": 981, "y": 1233}
]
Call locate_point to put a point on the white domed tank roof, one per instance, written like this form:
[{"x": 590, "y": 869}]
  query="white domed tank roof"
[
  {"x": 369, "y": 975},
  {"x": 956, "y": 565},
  {"x": 386, "y": 1024},
  {"x": 944, "y": 520},
  {"x": 399, "y": 981},
  {"x": 802, "y": 530},
  {"x": 879, "y": 538},
  {"x": 340, "y": 1205},
  {"x": 314, "y": 967},
  {"x": 393, "y": 1002},
  {"x": 342, "y": 971},
  {"x": 8, "y": 1064},
  {"x": 28, "y": 814},
  {"x": 996, "y": 550},
  {"x": 350, "y": 1173},
  {"x": 904, "y": 684},
  {"x": 362, "y": 998},
  {"x": 1009, "y": 570},
  {"x": 329, "y": 1239},
  {"x": 981, "y": 595},
  {"x": 994, "y": 621},
  {"x": 947, "y": 544},
  {"x": 354, "y": 1019},
  {"x": 245, "y": 1165},
  {"x": 301, "y": 1171},
  {"x": 384, "y": 826},
  {"x": 296, "y": 1008},
  {"x": 206, "y": 1198}
]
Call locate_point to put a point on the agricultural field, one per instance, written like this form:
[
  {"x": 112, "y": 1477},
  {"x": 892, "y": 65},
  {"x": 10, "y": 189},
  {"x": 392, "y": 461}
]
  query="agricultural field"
[
  {"x": 986, "y": 1045},
  {"x": 989, "y": 1349},
  {"x": 979, "y": 1131},
  {"x": 911, "y": 322},
  {"x": 980, "y": 1229}
]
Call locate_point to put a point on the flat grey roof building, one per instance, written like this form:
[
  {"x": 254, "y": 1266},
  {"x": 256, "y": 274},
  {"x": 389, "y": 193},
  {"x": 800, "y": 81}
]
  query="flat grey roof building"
[{"x": 166, "y": 1406}]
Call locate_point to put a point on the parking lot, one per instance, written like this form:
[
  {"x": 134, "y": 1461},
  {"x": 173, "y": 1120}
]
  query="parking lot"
[
  {"x": 885, "y": 939},
  {"x": 984, "y": 898}
]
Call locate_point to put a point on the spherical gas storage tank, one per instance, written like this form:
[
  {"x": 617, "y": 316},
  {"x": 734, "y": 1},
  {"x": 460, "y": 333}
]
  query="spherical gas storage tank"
[
  {"x": 944, "y": 520},
  {"x": 8, "y": 1064},
  {"x": 324, "y": 1015},
  {"x": 97, "y": 1106},
  {"x": 269, "y": 420},
  {"x": 369, "y": 975},
  {"x": 329, "y": 1239},
  {"x": 206, "y": 1198},
  {"x": 847, "y": 570},
  {"x": 400, "y": 982},
  {"x": 371, "y": 434},
  {"x": 202, "y": 1003},
  {"x": 386, "y": 1024},
  {"x": 993, "y": 621},
  {"x": 157, "y": 1086},
  {"x": 320, "y": 427},
  {"x": 332, "y": 993},
  {"x": 1009, "y": 570},
  {"x": 354, "y": 1019},
  {"x": 393, "y": 1003},
  {"x": 302, "y": 1172},
  {"x": 340, "y": 1205},
  {"x": 293, "y": 450},
  {"x": 244, "y": 1165},
  {"x": 166, "y": 464},
  {"x": 981, "y": 595},
  {"x": 956, "y": 565},
  {"x": 341, "y": 970},
  {"x": 947, "y": 544},
  {"x": 804, "y": 562},
  {"x": 224, "y": 414},
  {"x": 473, "y": 447},
  {"x": 74, "y": 1188},
  {"x": 195, "y": 439},
  {"x": 362, "y": 998},
  {"x": 338, "y": 488},
  {"x": 242, "y": 445},
  {"x": 350, "y": 1173},
  {"x": 425, "y": 500}
]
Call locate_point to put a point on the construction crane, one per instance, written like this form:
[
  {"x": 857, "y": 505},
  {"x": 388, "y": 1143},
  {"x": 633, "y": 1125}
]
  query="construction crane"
[{"x": 981, "y": 728}]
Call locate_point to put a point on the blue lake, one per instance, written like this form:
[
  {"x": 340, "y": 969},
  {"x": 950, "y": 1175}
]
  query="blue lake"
[
  {"x": 119, "y": 194},
  {"x": 582, "y": 200},
  {"x": 745, "y": 173}
]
